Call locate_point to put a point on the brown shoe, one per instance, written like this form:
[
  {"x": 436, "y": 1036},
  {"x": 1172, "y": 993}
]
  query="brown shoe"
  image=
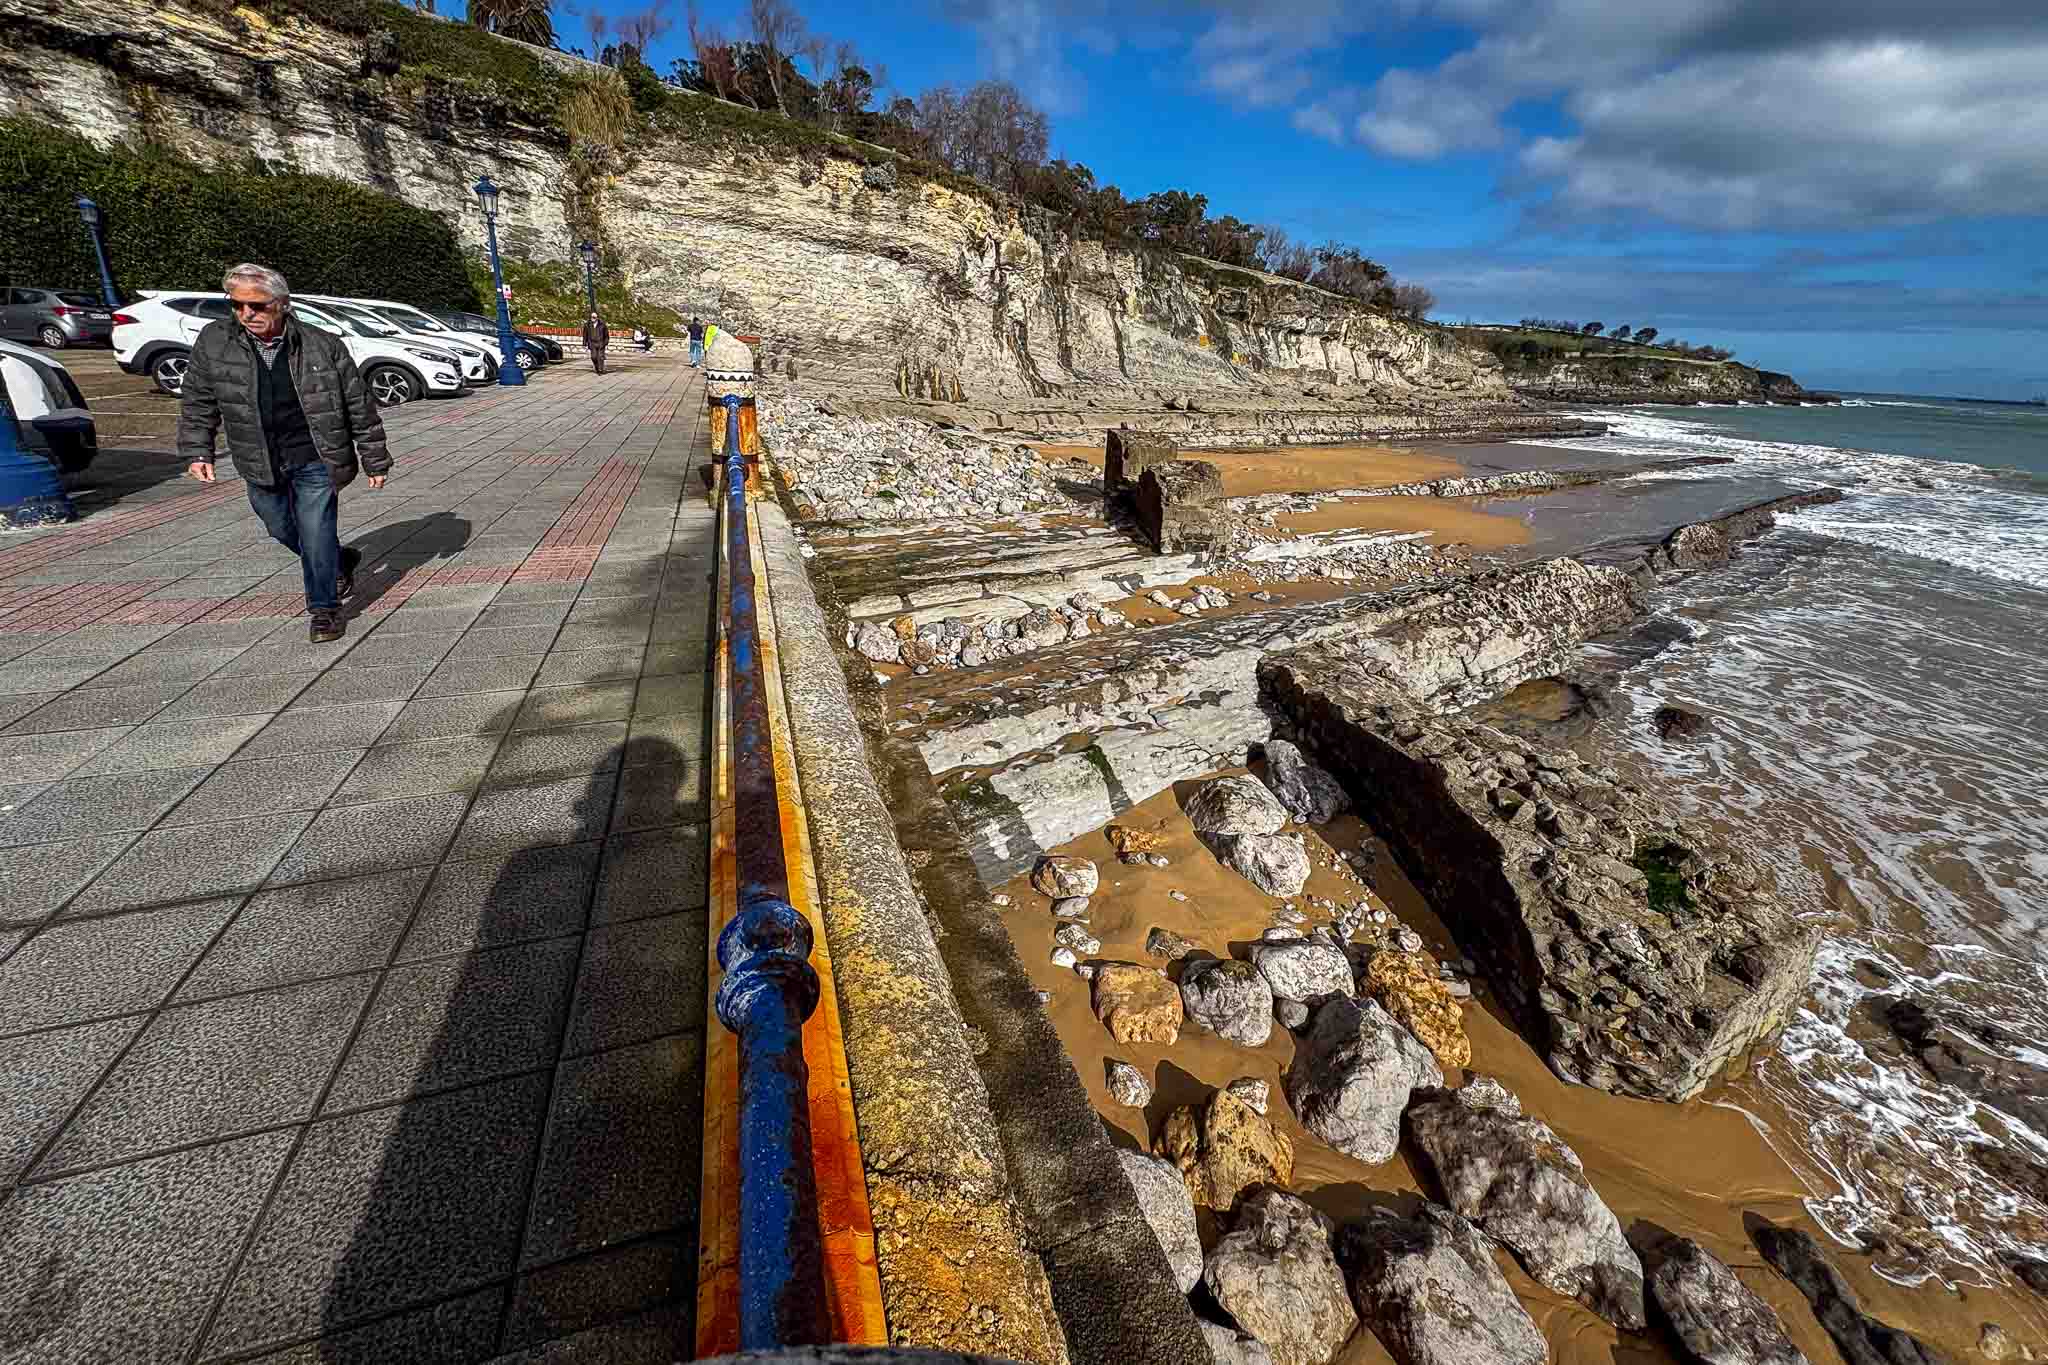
[
  {"x": 327, "y": 627},
  {"x": 345, "y": 584}
]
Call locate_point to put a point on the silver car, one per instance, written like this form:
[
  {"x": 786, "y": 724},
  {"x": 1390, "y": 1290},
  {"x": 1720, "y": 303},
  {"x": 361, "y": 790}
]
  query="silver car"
[{"x": 54, "y": 317}]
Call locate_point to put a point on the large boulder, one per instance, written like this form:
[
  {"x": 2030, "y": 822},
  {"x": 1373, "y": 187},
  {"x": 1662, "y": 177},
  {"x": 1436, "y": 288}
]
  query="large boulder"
[
  {"x": 1514, "y": 1177},
  {"x": 1127, "y": 454},
  {"x": 1277, "y": 864},
  {"x": 1229, "y": 998},
  {"x": 1163, "y": 1199},
  {"x": 1429, "y": 1289},
  {"x": 1717, "y": 1319},
  {"x": 1179, "y": 506},
  {"x": 1228, "y": 1346},
  {"x": 1408, "y": 987},
  {"x": 1862, "y": 1339},
  {"x": 1236, "y": 805},
  {"x": 1276, "y": 1275},
  {"x": 1352, "y": 1074},
  {"x": 1059, "y": 876},
  {"x": 1309, "y": 793},
  {"x": 1136, "y": 1003},
  {"x": 1303, "y": 969},
  {"x": 1223, "y": 1149}
]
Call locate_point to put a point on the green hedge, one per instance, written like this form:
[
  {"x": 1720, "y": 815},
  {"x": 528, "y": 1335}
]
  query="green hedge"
[
  {"x": 173, "y": 224},
  {"x": 551, "y": 294}
]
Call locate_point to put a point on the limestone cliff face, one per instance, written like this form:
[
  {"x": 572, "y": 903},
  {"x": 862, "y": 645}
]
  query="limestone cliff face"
[
  {"x": 1655, "y": 379},
  {"x": 851, "y": 280}
]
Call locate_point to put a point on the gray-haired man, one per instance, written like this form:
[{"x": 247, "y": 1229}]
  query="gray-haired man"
[{"x": 299, "y": 423}]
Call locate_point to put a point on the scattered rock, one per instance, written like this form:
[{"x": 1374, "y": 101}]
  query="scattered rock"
[
  {"x": 1995, "y": 1343},
  {"x": 1177, "y": 896},
  {"x": 1167, "y": 944},
  {"x": 1290, "y": 1014},
  {"x": 1000, "y": 900},
  {"x": 1223, "y": 1149},
  {"x": 1127, "y": 1085},
  {"x": 1275, "y": 863},
  {"x": 1229, "y": 998},
  {"x": 877, "y": 642},
  {"x": 1303, "y": 969},
  {"x": 1518, "y": 1180},
  {"x": 880, "y": 176},
  {"x": 1251, "y": 1091},
  {"x": 1133, "y": 845},
  {"x": 1408, "y": 986},
  {"x": 1717, "y": 1319},
  {"x": 1136, "y": 1003},
  {"x": 1077, "y": 937},
  {"x": 1429, "y": 1289},
  {"x": 1675, "y": 722},
  {"x": 1159, "y": 860},
  {"x": 1070, "y": 907},
  {"x": 1236, "y": 805},
  {"x": 1312, "y": 795},
  {"x": 1862, "y": 1340},
  {"x": 1064, "y": 956},
  {"x": 1275, "y": 1274},
  {"x": 1163, "y": 1198},
  {"x": 1059, "y": 876},
  {"x": 1351, "y": 1077},
  {"x": 1230, "y": 1347}
]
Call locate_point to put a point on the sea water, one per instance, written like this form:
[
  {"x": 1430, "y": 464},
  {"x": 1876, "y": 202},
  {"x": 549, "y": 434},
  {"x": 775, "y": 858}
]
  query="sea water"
[{"x": 1876, "y": 675}]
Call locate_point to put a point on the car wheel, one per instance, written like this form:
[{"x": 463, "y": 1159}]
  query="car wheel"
[
  {"x": 526, "y": 360},
  {"x": 51, "y": 335},
  {"x": 168, "y": 370},
  {"x": 390, "y": 385}
]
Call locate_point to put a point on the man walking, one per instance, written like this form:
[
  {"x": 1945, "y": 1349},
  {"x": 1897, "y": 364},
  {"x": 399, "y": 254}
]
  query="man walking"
[
  {"x": 696, "y": 344},
  {"x": 299, "y": 423},
  {"x": 596, "y": 336}
]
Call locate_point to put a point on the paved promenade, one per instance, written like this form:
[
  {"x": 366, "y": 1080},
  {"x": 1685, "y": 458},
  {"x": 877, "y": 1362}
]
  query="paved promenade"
[{"x": 351, "y": 996}]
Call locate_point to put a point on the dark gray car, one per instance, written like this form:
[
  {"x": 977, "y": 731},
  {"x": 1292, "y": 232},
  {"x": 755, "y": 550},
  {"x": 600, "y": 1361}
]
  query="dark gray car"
[{"x": 54, "y": 317}]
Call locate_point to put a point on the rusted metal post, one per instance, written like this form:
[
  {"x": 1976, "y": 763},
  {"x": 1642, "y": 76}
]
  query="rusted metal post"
[{"x": 770, "y": 987}]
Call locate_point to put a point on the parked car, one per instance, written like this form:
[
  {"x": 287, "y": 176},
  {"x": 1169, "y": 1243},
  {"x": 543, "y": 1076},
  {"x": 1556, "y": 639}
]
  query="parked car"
[
  {"x": 49, "y": 411},
  {"x": 478, "y": 365},
  {"x": 55, "y": 317},
  {"x": 425, "y": 325},
  {"x": 154, "y": 336},
  {"x": 540, "y": 349}
]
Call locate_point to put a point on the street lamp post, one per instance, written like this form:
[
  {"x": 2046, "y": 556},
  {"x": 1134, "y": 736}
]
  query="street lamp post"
[
  {"x": 589, "y": 252},
  {"x": 95, "y": 225},
  {"x": 509, "y": 373}
]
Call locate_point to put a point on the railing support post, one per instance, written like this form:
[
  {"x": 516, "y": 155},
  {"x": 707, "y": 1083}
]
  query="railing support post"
[{"x": 769, "y": 990}]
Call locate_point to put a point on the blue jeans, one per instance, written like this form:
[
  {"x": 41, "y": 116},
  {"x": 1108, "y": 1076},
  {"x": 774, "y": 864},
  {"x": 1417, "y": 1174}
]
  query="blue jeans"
[
  {"x": 299, "y": 513},
  {"x": 696, "y": 351}
]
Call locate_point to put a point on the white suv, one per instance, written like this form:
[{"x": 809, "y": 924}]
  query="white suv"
[
  {"x": 154, "y": 334},
  {"x": 479, "y": 366},
  {"x": 435, "y": 332}
]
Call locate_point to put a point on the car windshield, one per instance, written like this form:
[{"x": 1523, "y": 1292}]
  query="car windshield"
[
  {"x": 79, "y": 300},
  {"x": 309, "y": 314},
  {"x": 362, "y": 320},
  {"x": 408, "y": 317}
]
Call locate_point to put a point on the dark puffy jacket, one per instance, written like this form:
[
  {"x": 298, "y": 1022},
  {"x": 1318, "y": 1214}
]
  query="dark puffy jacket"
[
  {"x": 220, "y": 391},
  {"x": 596, "y": 335}
]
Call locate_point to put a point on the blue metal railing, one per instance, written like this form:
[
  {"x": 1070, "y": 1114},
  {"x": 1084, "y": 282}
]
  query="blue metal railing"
[{"x": 770, "y": 989}]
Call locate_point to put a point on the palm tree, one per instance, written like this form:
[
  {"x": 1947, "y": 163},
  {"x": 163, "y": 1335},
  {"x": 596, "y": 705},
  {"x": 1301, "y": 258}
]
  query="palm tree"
[{"x": 526, "y": 20}]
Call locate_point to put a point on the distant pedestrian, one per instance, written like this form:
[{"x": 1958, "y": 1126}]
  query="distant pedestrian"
[
  {"x": 642, "y": 339},
  {"x": 696, "y": 344},
  {"x": 596, "y": 336},
  {"x": 299, "y": 423}
]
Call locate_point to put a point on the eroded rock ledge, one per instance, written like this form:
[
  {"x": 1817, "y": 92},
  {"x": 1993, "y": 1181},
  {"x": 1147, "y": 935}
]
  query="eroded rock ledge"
[{"x": 1637, "y": 953}]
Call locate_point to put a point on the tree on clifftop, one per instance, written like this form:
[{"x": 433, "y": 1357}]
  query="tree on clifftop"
[
  {"x": 1413, "y": 300},
  {"x": 1646, "y": 334},
  {"x": 1619, "y": 331},
  {"x": 1593, "y": 329},
  {"x": 526, "y": 20}
]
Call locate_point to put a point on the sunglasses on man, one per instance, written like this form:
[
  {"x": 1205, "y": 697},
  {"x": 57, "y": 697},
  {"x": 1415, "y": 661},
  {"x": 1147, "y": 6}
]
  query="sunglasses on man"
[{"x": 252, "y": 305}]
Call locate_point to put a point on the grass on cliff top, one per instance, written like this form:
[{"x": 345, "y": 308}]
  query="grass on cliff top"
[{"x": 550, "y": 294}]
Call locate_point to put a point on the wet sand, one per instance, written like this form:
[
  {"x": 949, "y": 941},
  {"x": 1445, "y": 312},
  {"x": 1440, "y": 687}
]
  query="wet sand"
[
  {"x": 1698, "y": 1169},
  {"x": 1482, "y": 523},
  {"x": 1300, "y": 469}
]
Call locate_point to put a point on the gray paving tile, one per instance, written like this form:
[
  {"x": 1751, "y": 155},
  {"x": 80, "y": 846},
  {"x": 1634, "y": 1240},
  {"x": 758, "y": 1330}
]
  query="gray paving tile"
[
  {"x": 654, "y": 872},
  {"x": 589, "y": 666},
  {"x": 104, "y": 642},
  {"x": 98, "y": 707},
  {"x": 38, "y": 673},
  {"x": 160, "y": 665},
  {"x": 659, "y": 795},
  {"x": 87, "y": 969},
  {"x": 549, "y": 755},
  {"x": 615, "y": 1164},
  {"x": 191, "y": 861},
  {"x": 298, "y": 782},
  {"x": 433, "y": 765},
  {"x": 122, "y": 1264},
  {"x": 43, "y": 1077},
  {"x": 348, "y": 686},
  {"x": 477, "y": 713},
  {"x": 240, "y": 695},
  {"x": 640, "y": 980},
  {"x": 323, "y": 729},
  {"x": 499, "y": 616},
  {"x": 661, "y": 1334},
  {"x": 599, "y": 611},
  {"x": 213, "y": 1070},
  {"x": 289, "y": 652},
  {"x": 398, "y": 651},
  {"x": 81, "y": 806},
  {"x": 679, "y": 657},
  {"x": 689, "y": 629},
  {"x": 174, "y": 744},
  {"x": 410, "y": 620},
  {"x": 671, "y": 694},
  {"x": 37, "y": 878},
  {"x": 316, "y": 929},
  {"x": 484, "y": 902},
  {"x": 550, "y": 708},
  {"x": 383, "y": 836},
  {"x": 458, "y": 1329},
  {"x": 512, "y": 818},
  {"x": 675, "y": 738},
  {"x": 218, "y": 634},
  {"x": 539, "y": 592},
  {"x": 558, "y": 1301},
  {"x": 611, "y": 635},
  {"x": 386, "y": 1208},
  {"x": 495, "y": 674},
  {"x": 485, "y": 644},
  {"x": 19, "y": 704},
  {"x": 17, "y": 795},
  {"x": 453, "y": 1021}
]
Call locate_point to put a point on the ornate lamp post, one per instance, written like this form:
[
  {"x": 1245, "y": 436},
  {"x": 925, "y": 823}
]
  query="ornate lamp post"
[
  {"x": 509, "y": 373},
  {"x": 95, "y": 224},
  {"x": 589, "y": 253}
]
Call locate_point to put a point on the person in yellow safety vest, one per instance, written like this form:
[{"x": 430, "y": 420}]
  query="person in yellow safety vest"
[{"x": 710, "y": 334}]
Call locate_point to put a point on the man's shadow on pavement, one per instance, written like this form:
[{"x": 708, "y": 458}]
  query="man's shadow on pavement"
[
  {"x": 395, "y": 549},
  {"x": 542, "y": 1175}
]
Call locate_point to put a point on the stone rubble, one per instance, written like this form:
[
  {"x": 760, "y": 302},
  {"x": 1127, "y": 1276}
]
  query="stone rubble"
[
  {"x": 1303, "y": 969},
  {"x": 1236, "y": 805},
  {"x": 1352, "y": 1075},
  {"x": 1309, "y": 794},
  {"x": 1230, "y": 999},
  {"x": 1127, "y": 1085},
  {"x": 1136, "y": 1003},
  {"x": 1429, "y": 1289},
  {"x": 1407, "y": 986},
  {"x": 1222, "y": 1149},
  {"x": 1276, "y": 1275},
  {"x": 1061, "y": 876}
]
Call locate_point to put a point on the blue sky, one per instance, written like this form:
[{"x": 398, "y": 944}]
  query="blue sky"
[{"x": 1853, "y": 191}]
